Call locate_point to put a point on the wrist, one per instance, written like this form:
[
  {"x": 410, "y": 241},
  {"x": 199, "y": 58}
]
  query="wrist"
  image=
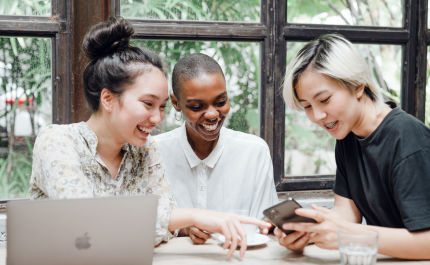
[{"x": 180, "y": 218}]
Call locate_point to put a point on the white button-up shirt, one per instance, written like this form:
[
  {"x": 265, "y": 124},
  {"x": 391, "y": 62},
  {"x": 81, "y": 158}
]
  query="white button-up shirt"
[{"x": 237, "y": 176}]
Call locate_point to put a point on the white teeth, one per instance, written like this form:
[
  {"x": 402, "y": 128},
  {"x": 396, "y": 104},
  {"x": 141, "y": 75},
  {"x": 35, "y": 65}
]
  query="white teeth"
[
  {"x": 331, "y": 125},
  {"x": 210, "y": 127},
  {"x": 142, "y": 129}
]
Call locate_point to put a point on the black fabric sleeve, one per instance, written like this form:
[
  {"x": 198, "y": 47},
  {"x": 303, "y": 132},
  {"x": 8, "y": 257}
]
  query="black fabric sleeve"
[
  {"x": 341, "y": 184},
  {"x": 411, "y": 190}
]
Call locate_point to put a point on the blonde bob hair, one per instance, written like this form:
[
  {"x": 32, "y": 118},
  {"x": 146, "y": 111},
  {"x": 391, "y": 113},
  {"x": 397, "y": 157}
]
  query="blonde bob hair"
[{"x": 334, "y": 56}]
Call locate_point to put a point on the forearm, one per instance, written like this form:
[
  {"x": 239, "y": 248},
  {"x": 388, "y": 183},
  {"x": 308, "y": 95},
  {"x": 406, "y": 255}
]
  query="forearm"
[
  {"x": 400, "y": 243},
  {"x": 181, "y": 218},
  {"x": 394, "y": 242},
  {"x": 346, "y": 209}
]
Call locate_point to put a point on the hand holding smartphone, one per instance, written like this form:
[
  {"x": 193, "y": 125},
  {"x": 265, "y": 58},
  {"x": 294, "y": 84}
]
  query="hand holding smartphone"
[{"x": 284, "y": 212}]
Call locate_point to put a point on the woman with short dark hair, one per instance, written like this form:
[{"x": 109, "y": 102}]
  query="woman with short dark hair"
[{"x": 208, "y": 165}]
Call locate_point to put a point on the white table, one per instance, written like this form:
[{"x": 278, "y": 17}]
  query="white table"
[{"x": 180, "y": 251}]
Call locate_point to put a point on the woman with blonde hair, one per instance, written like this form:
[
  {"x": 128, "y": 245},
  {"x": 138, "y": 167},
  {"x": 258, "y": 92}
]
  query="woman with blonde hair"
[{"x": 382, "y": 153}]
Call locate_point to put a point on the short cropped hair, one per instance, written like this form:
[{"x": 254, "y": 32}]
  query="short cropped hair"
[
  {"x": 334, "y": 56},
  {"x": 192, "y": 66}
]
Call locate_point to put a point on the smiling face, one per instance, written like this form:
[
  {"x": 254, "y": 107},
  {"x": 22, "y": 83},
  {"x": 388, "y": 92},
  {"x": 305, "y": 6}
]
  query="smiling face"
[
  {"x": 140, "y": 107},
  {"x": 328, "y": 103},
  {"x": 204, "y": 103}
]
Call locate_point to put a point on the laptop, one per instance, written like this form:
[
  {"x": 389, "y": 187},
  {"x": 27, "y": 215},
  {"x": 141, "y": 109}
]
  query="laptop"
[{"x": 112, "y": 230}]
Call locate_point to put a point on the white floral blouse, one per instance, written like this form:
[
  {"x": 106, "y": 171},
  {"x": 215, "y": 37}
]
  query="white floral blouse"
[{"x": 66, "y": 165}]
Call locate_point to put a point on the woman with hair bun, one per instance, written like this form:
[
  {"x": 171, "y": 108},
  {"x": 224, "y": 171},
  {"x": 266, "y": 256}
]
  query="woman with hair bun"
[
  {"x": 113, "y": 154},
  {"x": 382, "y": 153}
]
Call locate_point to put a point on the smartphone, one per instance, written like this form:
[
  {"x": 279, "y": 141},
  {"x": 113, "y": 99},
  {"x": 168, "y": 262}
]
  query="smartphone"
[{"x": 284, "y": 212}]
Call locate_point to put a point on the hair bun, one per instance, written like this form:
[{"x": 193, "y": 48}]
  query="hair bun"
[{"x": 107, "y": 37}]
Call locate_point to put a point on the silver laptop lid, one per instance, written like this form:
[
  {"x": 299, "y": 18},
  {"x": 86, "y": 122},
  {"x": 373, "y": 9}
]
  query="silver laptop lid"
[{"x": 113, "y": 230}]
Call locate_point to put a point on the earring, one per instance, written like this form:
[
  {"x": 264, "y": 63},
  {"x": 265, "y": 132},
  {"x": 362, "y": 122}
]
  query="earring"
[{"x": 176, "y": 116}]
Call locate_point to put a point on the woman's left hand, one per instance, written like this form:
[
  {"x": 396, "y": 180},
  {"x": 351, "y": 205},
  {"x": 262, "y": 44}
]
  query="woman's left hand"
[{"x": 324, "y": 232}]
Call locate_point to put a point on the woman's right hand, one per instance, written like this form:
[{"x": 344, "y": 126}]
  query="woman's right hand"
[
  {"x": 228, "y": 224},
  {"x": 295, "y": 241}
]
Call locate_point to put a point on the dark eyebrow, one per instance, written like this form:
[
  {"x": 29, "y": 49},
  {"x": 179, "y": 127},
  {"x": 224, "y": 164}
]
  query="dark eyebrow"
[
  {"x": 223, "y": 94},
  {"x": 155, "y": 97},
  {"x": 194, "y": 100},
  {"x": 316, "y": 95}
]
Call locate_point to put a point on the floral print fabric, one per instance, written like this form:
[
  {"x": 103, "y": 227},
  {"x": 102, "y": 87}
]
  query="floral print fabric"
[{"x": 66, "y": 165}]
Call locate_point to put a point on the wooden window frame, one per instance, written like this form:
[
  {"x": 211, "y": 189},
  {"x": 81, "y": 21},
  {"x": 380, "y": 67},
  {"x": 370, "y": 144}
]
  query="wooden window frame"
[
  {"x": 57, "y": 28},
  {"x": 71, "y": 19}
]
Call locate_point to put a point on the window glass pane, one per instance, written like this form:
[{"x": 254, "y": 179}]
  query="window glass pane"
[
  {"x": 309, "y": 149},
  {"x": 25, "y": 107},
  {"x": 338, "y": 12},
  {"x": 240, "y": 62},
  {"x": 25, "y": 7},
  {"x": 385, "y": 62},
  {"x": 199, "y": 10}
]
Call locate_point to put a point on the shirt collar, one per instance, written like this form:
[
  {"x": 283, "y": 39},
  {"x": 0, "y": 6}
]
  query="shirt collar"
[
  {"x": 89, "y": 136},
  {"x": 192, "y": 158}
]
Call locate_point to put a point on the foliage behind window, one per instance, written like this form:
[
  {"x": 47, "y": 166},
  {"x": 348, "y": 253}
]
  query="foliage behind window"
[
  {"x": 25, "y": 7},
  {"x": 25, "y": 97},
  {"x": 25, "y": 107},
  {"x": 346, "y": 12},
  {"x": 200, "y": 10}
]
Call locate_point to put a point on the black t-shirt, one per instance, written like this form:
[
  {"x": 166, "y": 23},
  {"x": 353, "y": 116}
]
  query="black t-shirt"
[{"x": 387, "y": 174}]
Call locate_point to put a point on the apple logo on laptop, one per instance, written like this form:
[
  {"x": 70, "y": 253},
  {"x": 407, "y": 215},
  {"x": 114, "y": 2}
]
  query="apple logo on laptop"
[{"x": 83, "y": 242}]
